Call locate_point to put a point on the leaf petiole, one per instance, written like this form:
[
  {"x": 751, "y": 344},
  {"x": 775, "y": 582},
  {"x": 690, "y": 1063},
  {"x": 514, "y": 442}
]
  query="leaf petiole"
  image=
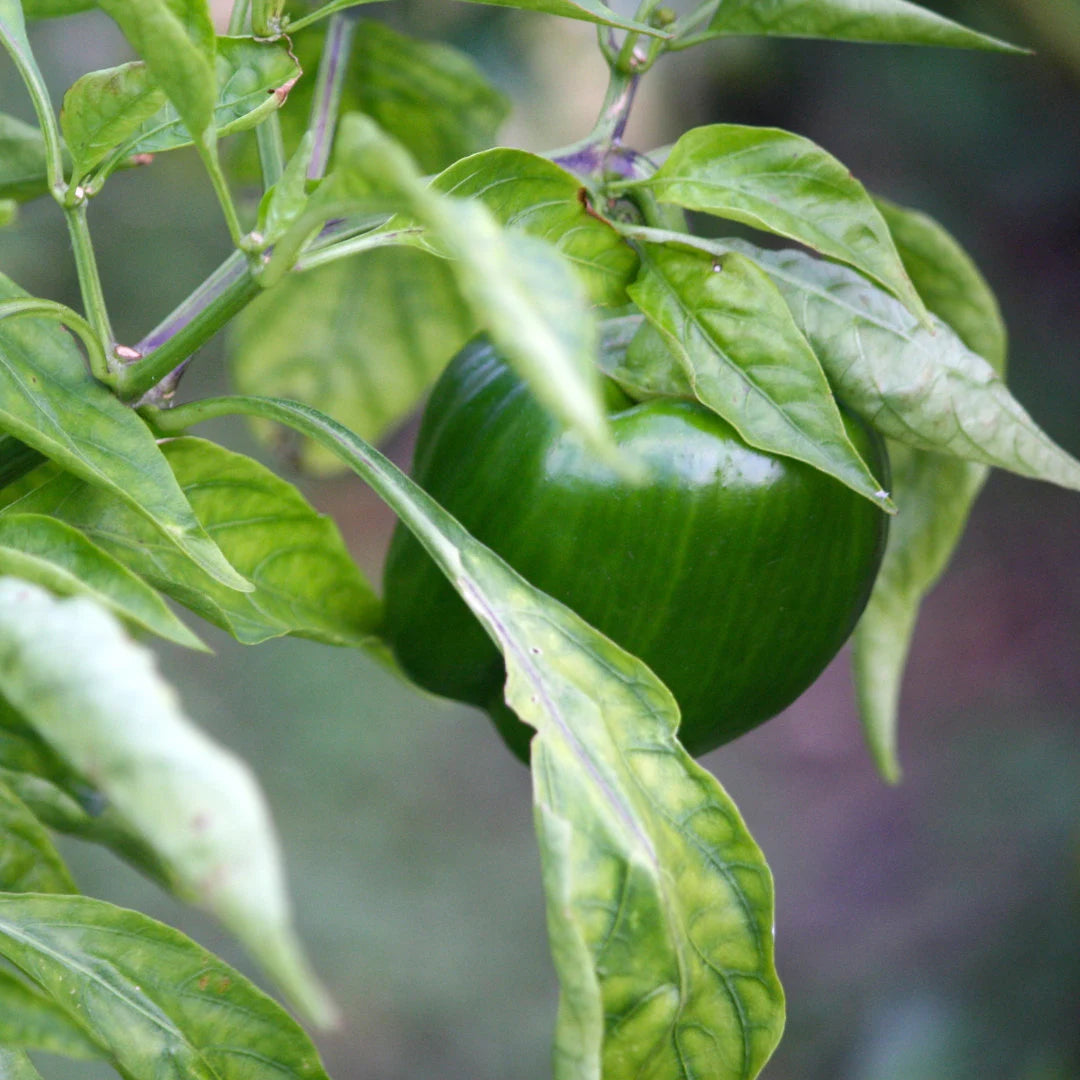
[{"x": 39, "y": 307}]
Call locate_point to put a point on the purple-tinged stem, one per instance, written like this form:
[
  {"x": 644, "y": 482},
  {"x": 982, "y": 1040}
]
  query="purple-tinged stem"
[{"x": 327, "y": 100}]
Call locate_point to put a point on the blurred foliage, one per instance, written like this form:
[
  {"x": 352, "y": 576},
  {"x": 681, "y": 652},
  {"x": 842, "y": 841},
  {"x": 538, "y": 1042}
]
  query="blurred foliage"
[{"x": 925, "y": 933}]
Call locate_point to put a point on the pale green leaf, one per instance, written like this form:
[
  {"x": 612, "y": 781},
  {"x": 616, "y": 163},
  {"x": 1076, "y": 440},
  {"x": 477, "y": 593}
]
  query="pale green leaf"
[
  {"x": 157, "y": 1003},
  {"x": 9, "y": 211},
  {"x": 785, "y": 184},
  {"x": 305, "y": 581},
  {"x": 729, "y": 328},
  {"x": 361, "y": 339},
  {"x": 63, "y": 800},
  {"x": 660, "y": 905},
  {"x": 253, "y": 79},
  {"x": 103, "y": 109},
  {"x": 48, "y": 552},
  {"x": 97, "y": 699},
  {"x": 934, "y": 493},
  {"x": 283, "y": 203},
  {"x": 920, "y": 386},
  {"x": 30, "y": 1020},
  {"x": 22, "y": 160},
  {"x": 949, "y": 282},
  {"x": 28, "y": 860},
  {"x": 50, "y": 402},
  {"x": 176, "y": 39},
  {"x": 520, "y": 290},
  {"x": 15, "y": 1065},
  {"x": 531, "y": 193},
  {"x": 847, "y": 20}
]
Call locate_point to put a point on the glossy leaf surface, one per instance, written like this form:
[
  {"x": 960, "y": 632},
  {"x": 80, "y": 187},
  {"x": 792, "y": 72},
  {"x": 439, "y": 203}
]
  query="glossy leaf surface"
[
  {"x": 848, "y": 20},
  {"x": 31, "y": 1020},
  {"x": 361, "y": 339},
  {"x": 176, "y": 39},
  {"x": 156, "y": 1002},
  {"x": 50, "y": 402},
  {"x": 518, "y": 288},
  {"x": 103, "y": 109},
  {"x": 785, "y": 184},
  {"x": 922, "y": 387},
  {"x": 528, "y": 192},
  {"x": 99, "y": 702},
  {"x": 659, "y": 902},
  {"x": 305, "y": 581},
  {"x": 935, "y": 493},
  {"x": 28, "y": 860},
  {"x": 47, "y": 552},
  {"x": 729, "y": 328},
  {"x": 22, "y": 160}
]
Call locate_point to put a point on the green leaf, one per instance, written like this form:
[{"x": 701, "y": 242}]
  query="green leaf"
[
  {"x": 28, "y": 860},
  {"x": 518, "y": 288},
  {"x": 103, "y": 109},
  {"x": 948, "y": 281},
  {"x": 253, "y": 80},
  {"x": 306, "y": 583},
  {"x": 784, "y": 184},
  {"x": 9, "y": 210},
  {"x": 156, "y": 1002},
  {"x": 51, "y": 9},
  {"x": 176, "y": 39},
  {"x": 15, "y": 1065},
  {"x": 660, "y": 905},
  {"x": 429, "y": 95},
  {"x": 935, "y": 494},
  {"x": 63, "y": 800},
  {"x": 730, "y": 330},
  {"x": 528, "y": 192},
  {"x": 847, "y": 20},
  {"x": 48, "y": 552},
  {"x": 49, "y": 401},
  {"x": 22, "y": 160},
  {"x": 283, "y": 203},
  {"x": 362, "y": 339},
  {"x": 96, "y": 698},
  {"x": 29, "y": 1019},
  {"x": 922, "y": 387},
  {"x": 589, "y": 10}
]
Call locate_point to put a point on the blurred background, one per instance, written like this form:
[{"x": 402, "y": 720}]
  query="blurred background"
[{"x": 926, "y": 932}]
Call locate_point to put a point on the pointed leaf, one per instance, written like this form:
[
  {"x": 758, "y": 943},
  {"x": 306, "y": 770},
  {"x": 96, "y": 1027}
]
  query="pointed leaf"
[
  {"x": 922, "y": 387},
  {"x": 948, "y": 281},
  {"x": 103, "y": 109},
  {"x": 660, "y": 905},
  {"x": 61, "y": 799},
  {"x": 935, "y": 494},
  {"x": 50, "y": 402},
  {"x": 848, "y": 20},
  {"x": 528, "y": 192},
  {"x": 98, "y": 700},
  {"x": 253, "y": 79},
  {"x": 283, "y": 203},
  {"x": 159, "y": 1004},
  {"x": 28, "y": 860},
  {"x": 29, "y": 1019},
  {"x": 361, "y": 339},
  {"x": 176, "y": 39},
  {"x": 729, "y": 328},
  {"x": 48, "y": 552},
  {"x": 787, "y": 185},
  {"x": 305, "y": 581},
  {"x": 519, "y": 289},
  {"x": 22, "y": 160}
]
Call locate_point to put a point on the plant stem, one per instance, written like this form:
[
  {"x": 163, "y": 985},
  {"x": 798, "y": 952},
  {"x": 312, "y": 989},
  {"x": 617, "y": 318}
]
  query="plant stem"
[
  {"x": 328, "y": 86},
  {"x": 36, "y": 306},
  {"x": 271, "y": 150},
  {"x": 238, "y": 17},
  {"x": 590, "y": 156},
  {"x": 208, "y": 152},
  {"x": 352, "y": 246},
  {"x": 166, "y": 348},
  {"x": 93, "y": 297}
]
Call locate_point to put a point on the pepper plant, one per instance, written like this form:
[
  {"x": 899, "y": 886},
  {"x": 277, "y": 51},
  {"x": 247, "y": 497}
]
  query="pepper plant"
[{"x": 389, "y": 232}]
